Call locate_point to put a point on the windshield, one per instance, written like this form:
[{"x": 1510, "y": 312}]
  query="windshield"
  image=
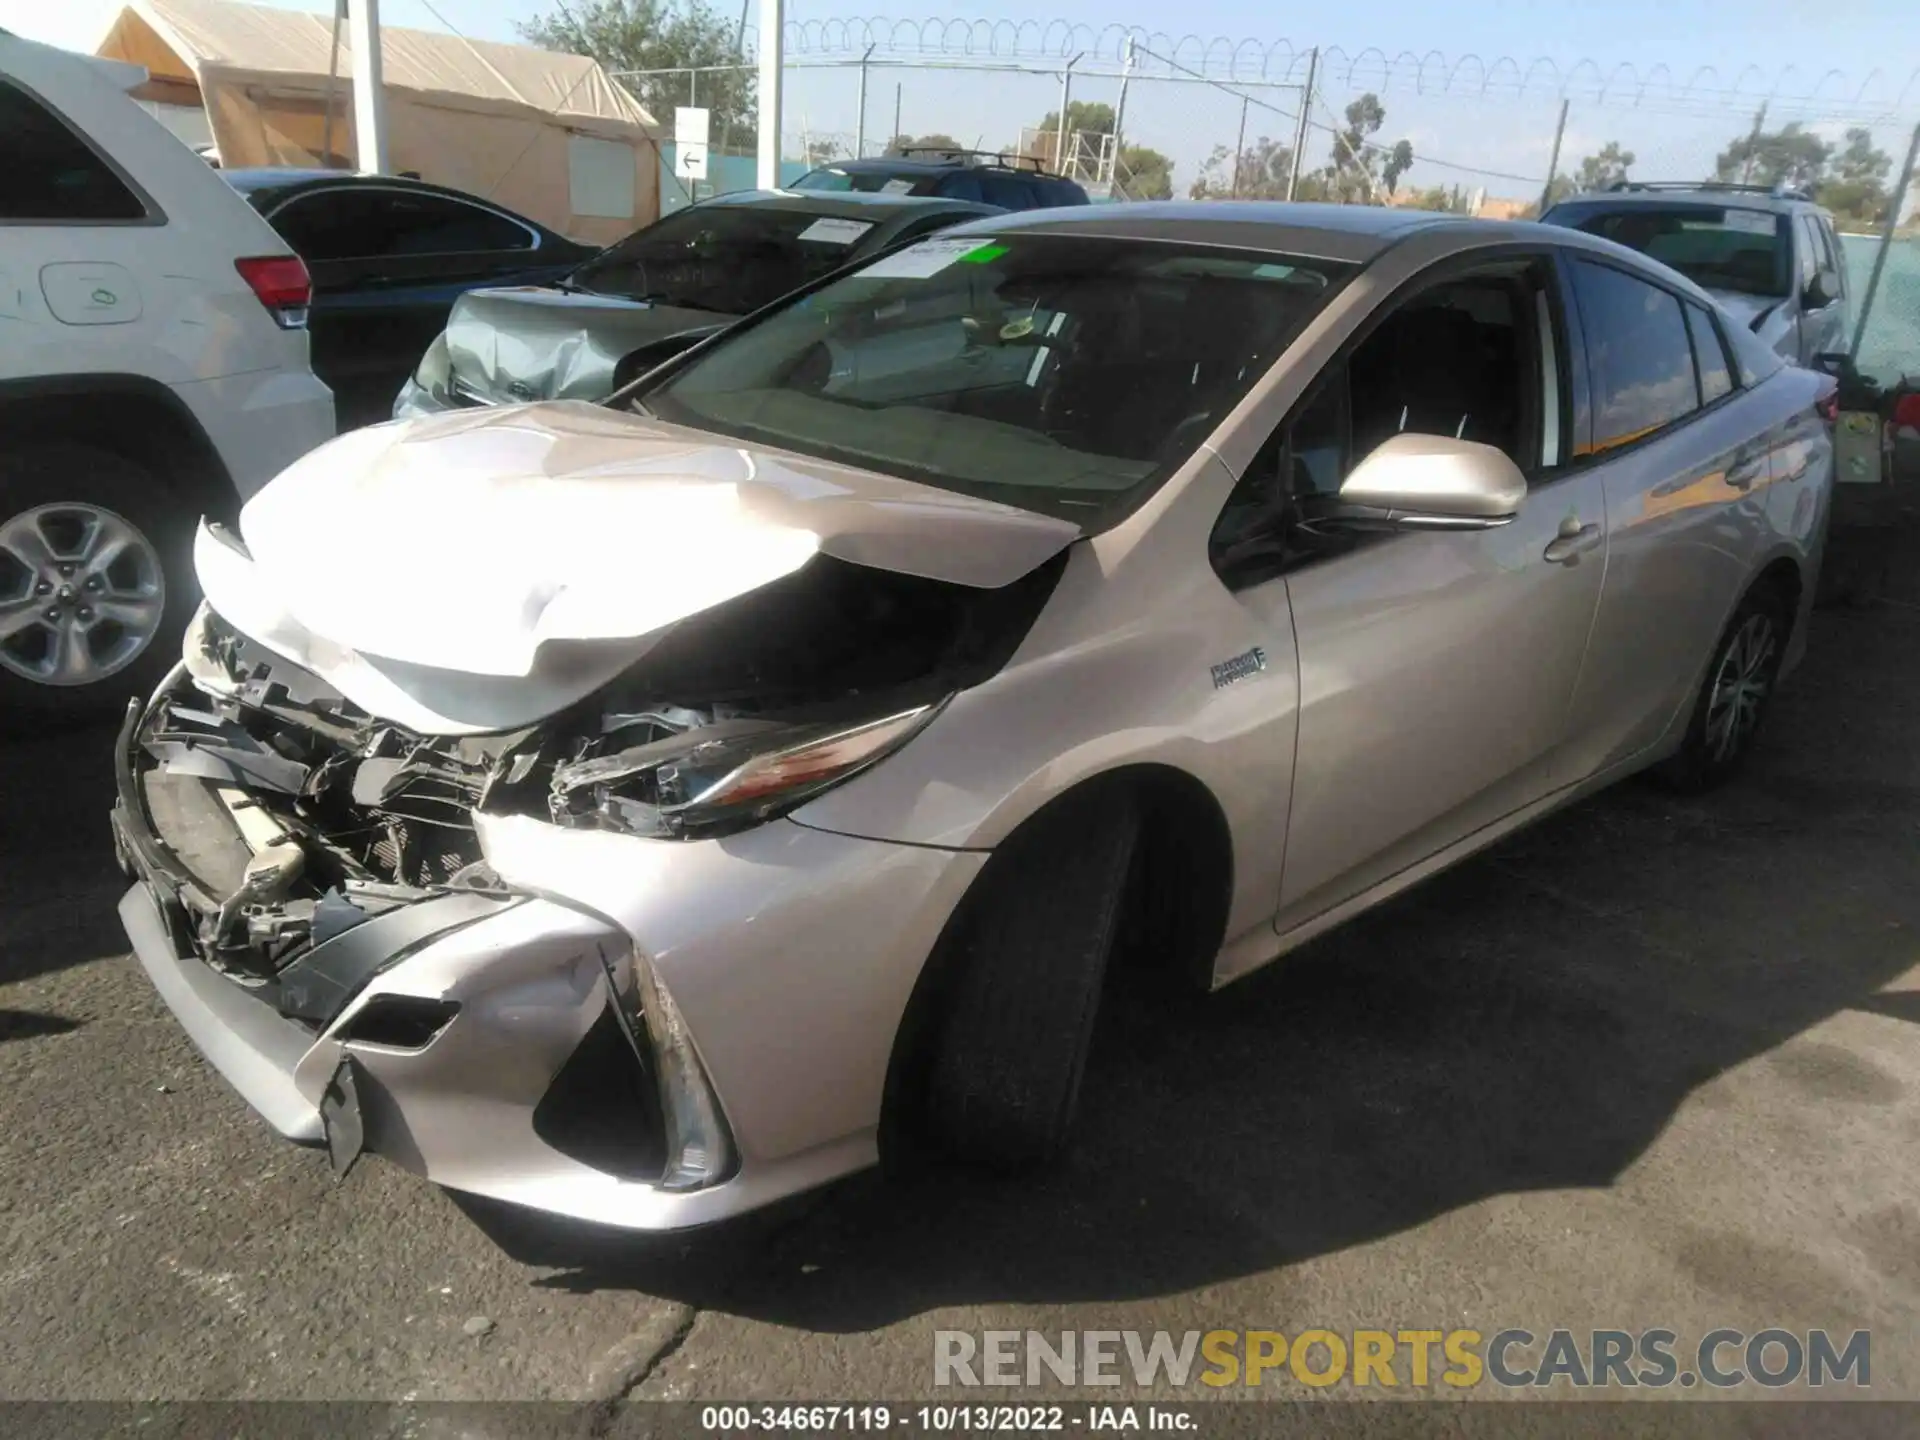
[
  {"x": 1717, "y": 248},
  {"x": 870, "y": 182},
  {"x": 1064, "y": 374},
  {"x": 728, "y": 258}
]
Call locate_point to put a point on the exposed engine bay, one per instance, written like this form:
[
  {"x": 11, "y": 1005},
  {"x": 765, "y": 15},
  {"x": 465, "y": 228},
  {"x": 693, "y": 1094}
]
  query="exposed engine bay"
[{"x": 292, "y": 814}]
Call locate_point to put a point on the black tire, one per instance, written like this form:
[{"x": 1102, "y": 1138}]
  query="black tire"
[
  {"x": 60, "y": 474},
  {"x": 1716, "y": 745},
  {"x": 1017, "y": 1014}
]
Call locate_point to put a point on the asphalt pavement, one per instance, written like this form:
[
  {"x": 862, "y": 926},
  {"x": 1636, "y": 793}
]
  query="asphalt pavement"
[{"x": 1655, "y": 1062}]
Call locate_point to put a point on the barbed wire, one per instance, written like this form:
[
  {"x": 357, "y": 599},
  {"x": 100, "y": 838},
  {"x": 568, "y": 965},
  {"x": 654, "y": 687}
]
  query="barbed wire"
[{"x": 1880, "y": 97}]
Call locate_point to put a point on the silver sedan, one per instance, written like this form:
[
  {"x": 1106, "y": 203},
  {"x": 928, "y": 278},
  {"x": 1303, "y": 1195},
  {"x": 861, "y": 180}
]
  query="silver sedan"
[{"x": 646, "y": 811}]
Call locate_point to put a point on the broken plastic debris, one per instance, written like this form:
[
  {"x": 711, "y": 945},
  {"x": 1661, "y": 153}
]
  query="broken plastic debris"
[{"x": 477, "y": 1325}]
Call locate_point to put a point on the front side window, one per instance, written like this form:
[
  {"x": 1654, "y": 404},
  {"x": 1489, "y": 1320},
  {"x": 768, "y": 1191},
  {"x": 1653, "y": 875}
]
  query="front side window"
[
  {"x": 1472, "y": 358},
  {"x": 727, "y": 258},
  {"x": 1064, "y": 374},
  {"x": 1639, "y": 355},
  {"x": 49, "y": 173},
  {"x": 1716, "y": 247}
]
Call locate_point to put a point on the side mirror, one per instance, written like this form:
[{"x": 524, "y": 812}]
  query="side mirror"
[
  {"x": 1822, "y": 290},
  {"x": 1428, "y": 482}
]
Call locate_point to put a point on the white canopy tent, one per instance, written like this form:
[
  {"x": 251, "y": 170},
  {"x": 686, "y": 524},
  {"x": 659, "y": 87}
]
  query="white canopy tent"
[{"x": 550, "y": 135}]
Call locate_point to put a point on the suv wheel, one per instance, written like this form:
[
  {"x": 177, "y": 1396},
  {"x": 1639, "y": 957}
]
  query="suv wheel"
[{"x": 95, "y": 580}]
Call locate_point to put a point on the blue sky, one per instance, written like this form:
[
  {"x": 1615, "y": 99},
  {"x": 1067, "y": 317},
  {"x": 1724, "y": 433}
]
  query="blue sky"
[{"x": 1506, "y": 136}]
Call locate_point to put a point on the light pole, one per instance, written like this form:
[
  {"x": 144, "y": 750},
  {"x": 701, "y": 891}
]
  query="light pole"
[
  {"x": 369, "y": 94},
  {"x": 772, "y": 45}
]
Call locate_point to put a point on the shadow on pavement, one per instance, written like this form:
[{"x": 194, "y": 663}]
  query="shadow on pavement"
[
  {"x": 1529, "y": 1021},
  {"x": 57, "y": 871}
]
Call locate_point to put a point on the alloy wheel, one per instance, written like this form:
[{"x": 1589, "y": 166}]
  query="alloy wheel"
[
  {"x": 1740, "y": 686},
  {"x": 82, "y": 594}
]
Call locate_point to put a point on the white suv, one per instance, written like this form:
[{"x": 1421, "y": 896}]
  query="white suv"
[{"x": 153, "y": 368}]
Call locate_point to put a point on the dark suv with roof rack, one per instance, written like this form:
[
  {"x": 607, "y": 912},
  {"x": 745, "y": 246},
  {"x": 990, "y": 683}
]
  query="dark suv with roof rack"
[
  {"x": 1013, "y": 182},
  {"x": 1768, "y": 254}
]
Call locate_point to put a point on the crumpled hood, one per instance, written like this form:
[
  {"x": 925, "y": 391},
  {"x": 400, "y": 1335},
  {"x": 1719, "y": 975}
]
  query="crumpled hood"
[
  {"x": 527, "y": 342},
  {"x": 482, "y": 569}
]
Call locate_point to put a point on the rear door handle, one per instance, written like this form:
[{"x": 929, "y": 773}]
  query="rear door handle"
[
  {"x": 1746, "y": 470},
  {"x": 1573, "y": 541}
]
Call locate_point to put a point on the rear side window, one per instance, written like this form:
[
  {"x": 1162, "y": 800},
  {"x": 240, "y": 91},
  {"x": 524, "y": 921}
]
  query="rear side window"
[
  {"x": 50, "y": 173},
  {"x": 351, "y": 224},
  {"x": 1010, "y": 192},
  {"x": 1639, "y": 356},
  {"x": 962, "y": 185},
  {"x": 1716, "y": 375}
]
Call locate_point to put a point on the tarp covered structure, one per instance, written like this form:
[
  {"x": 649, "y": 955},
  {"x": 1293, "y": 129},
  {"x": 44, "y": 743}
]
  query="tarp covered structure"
[{"x": 552, "y": 136}]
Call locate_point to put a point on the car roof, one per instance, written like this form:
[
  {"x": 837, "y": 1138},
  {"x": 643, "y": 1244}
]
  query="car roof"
[
  {"x": 921, "y": 165},
  {"x": 1745, "y": 198},
  {"x": 1354, "y": 233},
  {"x": 850, "y": 203}
]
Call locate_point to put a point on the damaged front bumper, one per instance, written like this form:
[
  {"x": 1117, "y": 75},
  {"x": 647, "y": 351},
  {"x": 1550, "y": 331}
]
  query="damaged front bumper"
[{"x": 519, "y": 1041}]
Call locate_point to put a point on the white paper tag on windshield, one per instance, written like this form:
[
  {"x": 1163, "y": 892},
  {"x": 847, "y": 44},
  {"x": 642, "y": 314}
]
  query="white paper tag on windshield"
[
  {"x": 929, "y": 257},
  {"x": 897, "y": 187},
  {"x": 1749, "y": 222},
  {"x": 830, "y": 231}
]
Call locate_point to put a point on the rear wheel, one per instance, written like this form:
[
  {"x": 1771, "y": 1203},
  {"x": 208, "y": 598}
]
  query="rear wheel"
[
  {"x": 96, "y": 581},
  {"x": 1734, "y": 697},
  {"x": 1016, "y": 1014}
]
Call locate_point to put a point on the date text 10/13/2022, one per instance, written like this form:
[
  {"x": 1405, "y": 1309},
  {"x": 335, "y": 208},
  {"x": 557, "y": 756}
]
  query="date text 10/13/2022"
[{"x": 947, "y": 1419}]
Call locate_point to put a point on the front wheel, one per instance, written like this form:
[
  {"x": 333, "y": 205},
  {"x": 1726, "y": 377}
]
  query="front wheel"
[
  {"x": 1017, "y": 1015},
  {"x": 96, "y": 581},
  {"x": 1734, "y": 697}
]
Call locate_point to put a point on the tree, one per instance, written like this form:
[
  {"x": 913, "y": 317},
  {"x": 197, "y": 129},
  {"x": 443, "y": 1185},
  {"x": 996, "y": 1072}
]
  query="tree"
[
  {"x": 822, "y": 151},
  {"x": 1856, "y": 185},
  {"x": 1355, "y": 174},
  {"x": 1789, "y": 156},
  {"x": 659, "y": 35},
  {"x": 1264, "y": 167},
  {"x": 900, "y": 144},
  {"x": 1605, "y": 170},
  {"x": 1142, "y": 173}
]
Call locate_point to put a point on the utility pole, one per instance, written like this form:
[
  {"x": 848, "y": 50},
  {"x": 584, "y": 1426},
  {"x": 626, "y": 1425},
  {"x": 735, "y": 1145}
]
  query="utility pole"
[
  {"x": 1753, "y": 142},
  {"x": 1300, "y": 125},
  {"x": 1895, "y": 201},
  {"x": 1240, "y": 145},
  {"x": 1553, "y": 164},
  {"x": 860, "y": 121},
  {"x": 1060, "y": 130},
  {"x": 772, "y": 48},
  {"x": 369, "y": 93}
]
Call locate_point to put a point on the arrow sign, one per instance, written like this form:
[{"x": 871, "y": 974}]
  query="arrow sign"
[{"x": 690, "y": 162}]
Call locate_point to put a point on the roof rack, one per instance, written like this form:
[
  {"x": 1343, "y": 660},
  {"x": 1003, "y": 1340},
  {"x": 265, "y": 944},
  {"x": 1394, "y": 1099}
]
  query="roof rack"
[
  {"x": 1777, "y": 192},
  {"x": 989, "y": 159}
]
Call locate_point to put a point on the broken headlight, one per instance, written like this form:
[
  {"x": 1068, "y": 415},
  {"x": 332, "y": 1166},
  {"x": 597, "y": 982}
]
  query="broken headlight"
[
  {"x": 208, "y": 649},
  {"x": 722, "y": 777}
]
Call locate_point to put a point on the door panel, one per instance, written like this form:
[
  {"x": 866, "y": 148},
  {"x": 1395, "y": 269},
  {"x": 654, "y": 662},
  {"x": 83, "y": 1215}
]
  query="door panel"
[
  {"x": 1685, "y": 515},
  {"x": 1435, "y": 675}
]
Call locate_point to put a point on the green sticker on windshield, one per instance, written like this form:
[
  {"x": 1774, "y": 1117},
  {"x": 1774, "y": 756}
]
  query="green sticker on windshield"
[{"x": 981, "y": 256}]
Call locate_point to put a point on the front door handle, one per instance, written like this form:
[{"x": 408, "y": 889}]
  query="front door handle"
[{"x": 1573, "y": 541}]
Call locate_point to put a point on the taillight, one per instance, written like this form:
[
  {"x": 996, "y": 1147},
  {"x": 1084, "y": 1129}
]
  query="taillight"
[
  {"x": 282, "y": 285},
  {"x": 1906, "y": 411},
  {"x": 1829, "y": 406}
]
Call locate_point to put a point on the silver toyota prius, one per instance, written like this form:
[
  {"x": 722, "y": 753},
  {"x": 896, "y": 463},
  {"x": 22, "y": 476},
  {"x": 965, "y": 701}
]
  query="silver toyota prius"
[{"x": 646, "y": 811}]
